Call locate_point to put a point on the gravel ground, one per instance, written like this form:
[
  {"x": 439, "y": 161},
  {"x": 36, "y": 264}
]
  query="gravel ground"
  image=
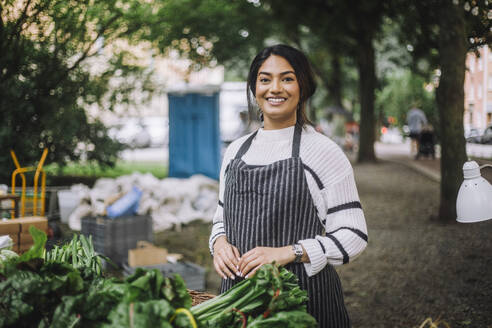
[{"x": 413, "y": 268}]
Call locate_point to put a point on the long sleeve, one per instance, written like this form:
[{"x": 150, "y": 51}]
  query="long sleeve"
[
  {"x": 218, "y": 220},
  {"x": 332, "y": 186},
  {"x": 345, "y": 225}
]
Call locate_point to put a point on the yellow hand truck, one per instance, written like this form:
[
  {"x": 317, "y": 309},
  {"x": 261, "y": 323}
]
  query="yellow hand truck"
[{"x": 38, "y": 206}]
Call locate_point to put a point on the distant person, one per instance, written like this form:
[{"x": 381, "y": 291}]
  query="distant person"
[
  {"x": 416, "y": 119},
  {"x": 426, "y": 142},
  {"x": 287, "y": 193}
]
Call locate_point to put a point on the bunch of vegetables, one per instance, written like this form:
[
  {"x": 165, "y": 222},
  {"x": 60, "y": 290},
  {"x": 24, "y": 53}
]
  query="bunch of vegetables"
[
  {"x": 271, "y": 298},
  {"x": 79, "y": 253},
  {"x": 65, "y": 287}
]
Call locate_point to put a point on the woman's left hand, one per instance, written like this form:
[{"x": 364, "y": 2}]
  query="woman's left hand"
[{"x": 256, "y": 257}]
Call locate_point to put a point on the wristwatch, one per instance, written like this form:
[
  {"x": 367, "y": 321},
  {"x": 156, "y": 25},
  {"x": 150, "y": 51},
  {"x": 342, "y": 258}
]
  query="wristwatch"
[{"x": 298, "y": 251}]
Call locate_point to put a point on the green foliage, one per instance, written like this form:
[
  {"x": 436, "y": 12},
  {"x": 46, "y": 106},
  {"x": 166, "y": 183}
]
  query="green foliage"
[
  {"x": 211, "y": 31},
  {"x": 419, "y": 28},
  {"x": 402, "y": 91},
  {"x": 121, "y": 168},
  {"x": 49, "y": 52}
]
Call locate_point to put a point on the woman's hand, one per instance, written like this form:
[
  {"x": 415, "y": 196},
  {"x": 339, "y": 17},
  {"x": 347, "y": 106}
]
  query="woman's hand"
[
  {"x": 256, "y": 257},
  {"x": 226, "y": 258}
]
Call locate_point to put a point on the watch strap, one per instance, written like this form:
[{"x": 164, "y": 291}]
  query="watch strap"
[{"x": 298, "y": 252}]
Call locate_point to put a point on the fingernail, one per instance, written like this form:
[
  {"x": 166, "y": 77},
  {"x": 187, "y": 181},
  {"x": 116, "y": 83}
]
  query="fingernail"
[
  {"x": 225, "y": 278},
  {"x": 246, "y": 277},
  {"x": 232, "y": 277},
  {"x": 238, "y": 273}
]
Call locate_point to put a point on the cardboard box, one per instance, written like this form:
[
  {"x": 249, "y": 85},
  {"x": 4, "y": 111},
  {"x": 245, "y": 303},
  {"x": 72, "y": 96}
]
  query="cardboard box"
[
  {"x": 9, "y": 227},
  {"x": 15, "y": 238},
  {"x": 146, "y": 254},
  {"x": 40, "y": 222},
  {"x": 25, "y": 238},
  {"x": 15, "y": 248},
  {"x": 24, "y": 247}
]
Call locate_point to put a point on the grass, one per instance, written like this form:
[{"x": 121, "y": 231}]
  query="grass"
[{"x": 121, "y": 168}]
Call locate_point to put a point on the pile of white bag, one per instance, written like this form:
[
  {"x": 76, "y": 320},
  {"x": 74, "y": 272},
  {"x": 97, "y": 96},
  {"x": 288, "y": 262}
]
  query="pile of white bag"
[{"x": 170, "y": 201}]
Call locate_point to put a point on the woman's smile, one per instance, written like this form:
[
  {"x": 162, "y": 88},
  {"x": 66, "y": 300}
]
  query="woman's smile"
[{"x": 276, "y": 101}]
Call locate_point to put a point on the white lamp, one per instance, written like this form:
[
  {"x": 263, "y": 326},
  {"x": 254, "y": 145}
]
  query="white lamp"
[{"x": 474, "y": 201}]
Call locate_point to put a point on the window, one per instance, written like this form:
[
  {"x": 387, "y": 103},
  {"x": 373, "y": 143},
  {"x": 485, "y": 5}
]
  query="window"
[
  {"x": 480, "y": 64},
  {"x": 480, "y": 91},
  {"x": 489, "y": 82}
]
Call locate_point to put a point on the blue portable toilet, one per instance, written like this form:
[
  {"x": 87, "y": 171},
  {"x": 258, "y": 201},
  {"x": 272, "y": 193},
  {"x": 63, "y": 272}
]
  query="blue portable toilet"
[{"x": 194, "y": 134}]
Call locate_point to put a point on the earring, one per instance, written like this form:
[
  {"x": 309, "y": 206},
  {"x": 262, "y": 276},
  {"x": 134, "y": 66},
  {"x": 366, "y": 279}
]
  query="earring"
[{"x": 260, "y": 114}]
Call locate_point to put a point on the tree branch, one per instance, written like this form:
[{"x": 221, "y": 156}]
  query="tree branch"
[{"x": 85, "y": 54}]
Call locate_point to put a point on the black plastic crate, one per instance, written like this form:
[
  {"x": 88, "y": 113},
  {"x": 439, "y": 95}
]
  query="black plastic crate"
[
  {"x": 114, "y": 237},
  {"x": 192, "y": 274}
]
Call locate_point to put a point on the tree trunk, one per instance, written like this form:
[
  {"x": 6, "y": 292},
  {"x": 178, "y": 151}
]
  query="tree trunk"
[
  {"x": 450, "y": 102},
  {"x": 367, "y": 82},
  {"x": 335, "y": 83}
]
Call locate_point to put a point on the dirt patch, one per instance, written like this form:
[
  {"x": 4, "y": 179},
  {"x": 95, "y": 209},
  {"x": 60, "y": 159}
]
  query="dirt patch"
[{"x": 413, "y": 267}]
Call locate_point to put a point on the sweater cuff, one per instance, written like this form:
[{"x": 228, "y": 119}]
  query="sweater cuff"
[
  {"x": 213, "y": 238},
  {"x": 316, "y": 256}
]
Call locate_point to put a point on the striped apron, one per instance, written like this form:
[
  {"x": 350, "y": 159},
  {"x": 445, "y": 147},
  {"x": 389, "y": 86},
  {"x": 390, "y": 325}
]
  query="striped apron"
[{"x": 271, "y": 206}]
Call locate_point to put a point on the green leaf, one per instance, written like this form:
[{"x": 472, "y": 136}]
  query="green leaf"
[{"x": 36, "y": 250}]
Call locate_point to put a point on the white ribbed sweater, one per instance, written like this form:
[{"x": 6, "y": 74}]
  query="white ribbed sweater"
[{"x": 333, "y": 169}]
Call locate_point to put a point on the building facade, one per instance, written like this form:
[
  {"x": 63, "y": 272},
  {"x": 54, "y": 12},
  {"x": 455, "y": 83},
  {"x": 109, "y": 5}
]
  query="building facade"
[{"x": 478, "y": 90}]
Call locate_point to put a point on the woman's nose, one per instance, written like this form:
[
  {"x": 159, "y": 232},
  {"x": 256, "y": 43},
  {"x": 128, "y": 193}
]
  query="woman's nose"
[{"x": 276, "y": 85}]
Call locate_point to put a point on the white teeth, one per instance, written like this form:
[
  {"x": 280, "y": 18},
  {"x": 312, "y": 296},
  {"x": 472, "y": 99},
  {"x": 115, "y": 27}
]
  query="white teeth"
[{"x": 276, "y": 100}]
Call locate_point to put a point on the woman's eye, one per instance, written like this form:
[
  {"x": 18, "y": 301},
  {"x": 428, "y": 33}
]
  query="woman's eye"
[
  {"x": 288, "y": 79},
  {"x": 264, "y": 80}
]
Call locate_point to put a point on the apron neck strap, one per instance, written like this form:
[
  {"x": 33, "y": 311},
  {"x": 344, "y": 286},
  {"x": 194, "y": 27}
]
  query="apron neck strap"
[
  {"x": 245, "y": 146},
  {"x": 296, "y": 143}
]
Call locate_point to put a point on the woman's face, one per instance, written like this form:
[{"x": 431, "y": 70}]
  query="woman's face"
[{"x": 277, "y": 92}]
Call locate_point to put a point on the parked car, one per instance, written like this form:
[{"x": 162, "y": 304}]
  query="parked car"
[
  {"x": 473, "y": 136},
  {"x": 486, "y": 137},
  {"x": 141, "y": 132}
]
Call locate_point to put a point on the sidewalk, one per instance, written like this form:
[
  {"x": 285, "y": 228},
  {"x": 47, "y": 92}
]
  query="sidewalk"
[{"x": 400, "y": 153}]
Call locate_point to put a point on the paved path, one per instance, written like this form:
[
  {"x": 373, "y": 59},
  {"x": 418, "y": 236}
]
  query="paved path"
[
  {"x": 393, "y": 152},
  {"x": 400, "y": 153}
]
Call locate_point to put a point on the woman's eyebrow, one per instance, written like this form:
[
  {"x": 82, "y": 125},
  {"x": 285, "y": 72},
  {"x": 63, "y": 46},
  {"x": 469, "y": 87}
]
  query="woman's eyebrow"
[{"x": 283, "y": 73}]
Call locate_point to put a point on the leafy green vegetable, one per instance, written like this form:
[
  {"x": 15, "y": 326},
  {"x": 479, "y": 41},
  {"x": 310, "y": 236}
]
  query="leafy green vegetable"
[
  {"x": 65, "y": 288},
  {"x": 7, "y": 255},
  {"x": 37, "y": 249},
  {"x": 153, "y": 313},
  {"x": 79, "y": 253},
  {"x": 284, "y": 319},
  {"x": 272, "y": 295},
  {"x": 32, "y": 292}
]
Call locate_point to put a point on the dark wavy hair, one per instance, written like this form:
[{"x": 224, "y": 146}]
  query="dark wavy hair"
[{"x": 302, "y": 69}]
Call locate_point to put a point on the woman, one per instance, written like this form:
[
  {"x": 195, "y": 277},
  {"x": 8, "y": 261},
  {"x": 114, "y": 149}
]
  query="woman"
[{"x": 287, "y": 193}]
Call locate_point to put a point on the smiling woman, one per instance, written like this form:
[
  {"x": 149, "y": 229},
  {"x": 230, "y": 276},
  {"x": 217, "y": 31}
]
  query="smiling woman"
[{"x": 287, "y": 193}]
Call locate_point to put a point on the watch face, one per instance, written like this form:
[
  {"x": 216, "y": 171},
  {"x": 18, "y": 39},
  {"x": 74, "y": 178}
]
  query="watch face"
[{"x": 298, "y": 252}]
